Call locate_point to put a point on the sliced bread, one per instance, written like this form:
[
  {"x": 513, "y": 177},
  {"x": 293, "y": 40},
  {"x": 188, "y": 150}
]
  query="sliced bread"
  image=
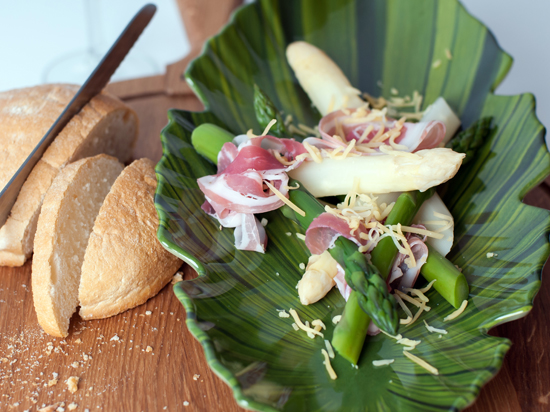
[
  {"x": 105, "y": 125},
  {"x": 125, "y": 264},
  {"x": 66, "y": 219}
]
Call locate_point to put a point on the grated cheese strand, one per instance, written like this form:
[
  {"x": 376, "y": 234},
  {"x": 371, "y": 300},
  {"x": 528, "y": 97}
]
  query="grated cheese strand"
[
  {"x": 283, "y": 314},
  {"x": 330, "y": 371},
  {"x": 457, "y": 312},
  {"x": 409, "y": 343},
  {"x": 336, "y": 319},
  {"x": 416, "y": 292},
  {"x": 298, "y": 321},
  {"x": 314, "y": 152},
  {"x": 405, "y": 321},
  {"x": 319, "y": 322},
  {"x": 382, "y": 362},
  {"x": 284, "y": 199},
  {"x": 418, "y": 313},
  {"x": 421, "y": 362},
  {"x": 427, "y": 287},
  {"x": 269, "y": 126},
  {"x": 403, "y": 306},
  {"x": 408, "y": 298},
  {"x": 434, "y": 330},
  {"x": 301, "y": 236},
  {"x": 330, "y": 351}
]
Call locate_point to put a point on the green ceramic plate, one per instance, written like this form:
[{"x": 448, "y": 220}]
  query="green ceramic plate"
[{"x": 231, "y": 306}]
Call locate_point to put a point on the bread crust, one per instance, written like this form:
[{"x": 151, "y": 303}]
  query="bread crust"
[
  {"x": 28, "y": 113},
  {"x": 54, "y": 297},
  {"x": 125, "y": 264}
]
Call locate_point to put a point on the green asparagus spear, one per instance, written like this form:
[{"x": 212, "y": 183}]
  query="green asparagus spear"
[
  {"x": 373, "y": 295},
  {"x": 450, "y": 282},
  {"x": 469, "y": 140},
  {"x": 404, "y": 211},
  {"x": 208, "y": 139},
  {"x": 350, "y": 333},
  {"x": 266, "y": 111}
]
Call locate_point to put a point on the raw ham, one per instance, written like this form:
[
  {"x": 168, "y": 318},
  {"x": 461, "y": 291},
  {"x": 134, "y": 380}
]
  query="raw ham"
[
  {"x": 326, "y": 228},
  {"x": 415, "y": 136},
  {"x": 237, "y": 192},
  {"x": 407, "y": 275}
]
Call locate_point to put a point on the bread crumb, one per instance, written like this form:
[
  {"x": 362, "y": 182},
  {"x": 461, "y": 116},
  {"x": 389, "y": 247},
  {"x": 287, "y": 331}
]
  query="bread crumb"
[
  {"x": 75, "y": 364},
  {"x": 115, "y": 338},
  {"x": 72, "y": 406},
  {"x": 78, "y": 340},
  {"x": 178, "y": 277},
  {"x": 148, "y": 312},
  {"x": 196, "y": 377},
  {"x": 49, "y": 408},
  {"x": 185, "y": 403},
  {"x": 148, "y": 349},
  {"x": 72, "y": 383},
  {"x": 53, "y": 382}
]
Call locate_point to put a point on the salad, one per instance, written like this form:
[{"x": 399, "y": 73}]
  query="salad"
[{"x": 362, "y": 185}]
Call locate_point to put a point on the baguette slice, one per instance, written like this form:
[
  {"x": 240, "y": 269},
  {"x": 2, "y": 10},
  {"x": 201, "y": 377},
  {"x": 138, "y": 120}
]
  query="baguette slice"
[
  {"x": 125, "y": 264},
  {"x": 64, "y": 225},
  {"x": 105, "y": 125}
]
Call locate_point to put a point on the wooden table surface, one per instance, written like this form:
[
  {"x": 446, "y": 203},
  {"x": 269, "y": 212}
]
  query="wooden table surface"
[{"x": 109, "y": 356}]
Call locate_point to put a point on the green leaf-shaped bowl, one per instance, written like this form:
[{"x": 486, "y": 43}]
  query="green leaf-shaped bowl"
[{"x": 231, "y": 306}]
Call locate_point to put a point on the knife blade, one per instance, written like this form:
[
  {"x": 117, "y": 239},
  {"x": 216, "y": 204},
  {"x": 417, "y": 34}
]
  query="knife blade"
[{"x": 91, "y": 87}]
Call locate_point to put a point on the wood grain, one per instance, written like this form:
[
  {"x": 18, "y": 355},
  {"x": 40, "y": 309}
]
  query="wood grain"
[{"x": 118, "y": 374}]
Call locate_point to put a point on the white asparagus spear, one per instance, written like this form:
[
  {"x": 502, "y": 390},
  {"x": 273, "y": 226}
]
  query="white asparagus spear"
[
  {"x": 440, "y": 110},
  {"x": 323, "y": 81},
  {"x": 428, "y": 215},
  {"x": 396, "y": 172}
]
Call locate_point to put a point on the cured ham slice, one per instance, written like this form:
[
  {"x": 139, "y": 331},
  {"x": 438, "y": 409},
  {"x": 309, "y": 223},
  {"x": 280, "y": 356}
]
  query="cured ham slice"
[
  {"x": 414, "y": 136},
  {"x": 401, "y": 270},
  {"x": 238, "y": 191},
  {"x": 326, "y": 228}
]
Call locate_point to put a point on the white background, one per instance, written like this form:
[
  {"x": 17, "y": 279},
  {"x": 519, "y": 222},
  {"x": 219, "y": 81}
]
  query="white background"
[{"x": 33, "y": 33}]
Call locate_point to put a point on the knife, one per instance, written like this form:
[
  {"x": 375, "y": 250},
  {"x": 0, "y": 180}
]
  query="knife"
[{"x": 92, "y": 87}]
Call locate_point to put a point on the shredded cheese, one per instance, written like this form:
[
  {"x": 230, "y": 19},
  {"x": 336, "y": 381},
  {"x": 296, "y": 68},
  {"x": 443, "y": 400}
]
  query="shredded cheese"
[
  {"x": 330, "y": 351},
  {"x": 336, "y": 319},
  {"x": 448, "y": 54},
  {"x": 457, "y": 312},
  {"x": 421, "y": 309},
  {"x": 327, "y": 364},
  {"x": 269, "y": 126},
  {"x": 405, "y": 321},
  {"x": 307, "y": 129},
  {"x": 409, "y": 343},
  {"x": 427, "y": 287},
  {"x": 382, "y": 362},
  {"x": 295, "y": 130},
  {"x": 434, "y": 330},
  {"x": 300, "y": 324},
  {"x": 296, "y": 328},
  {"x": 301, "y": 236},
  {"x": 421, "y": 362},
  {"x": 314, "y": 152},
  {"x": 283, "y": 314},
  {"x": 403, "y": 306},
  {"x": 408, "y": 298},
  {"x": 436, "y": 64},
  {"x": 417, "y": 292},
  {"x": 284, "y": 199},
  {"x": 319, "y": 322}
]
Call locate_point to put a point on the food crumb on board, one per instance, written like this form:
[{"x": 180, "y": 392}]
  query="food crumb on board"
[
  {"x": 196, "y": 377},
  {"x": 148, "y": 312},
  {"x": 178, "y": 277},
  {"x": 78, "y": 340},
  {"x": 115, "y": 338},
  {"x": 148, "y": 349},
  {"x": 185, "y": 403},
  {"x": 72, "y": 383},
  {"x": 72, "y": 406},
  {"x": 491, "y": 254},
  {"x": 75, "y": 365}
]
